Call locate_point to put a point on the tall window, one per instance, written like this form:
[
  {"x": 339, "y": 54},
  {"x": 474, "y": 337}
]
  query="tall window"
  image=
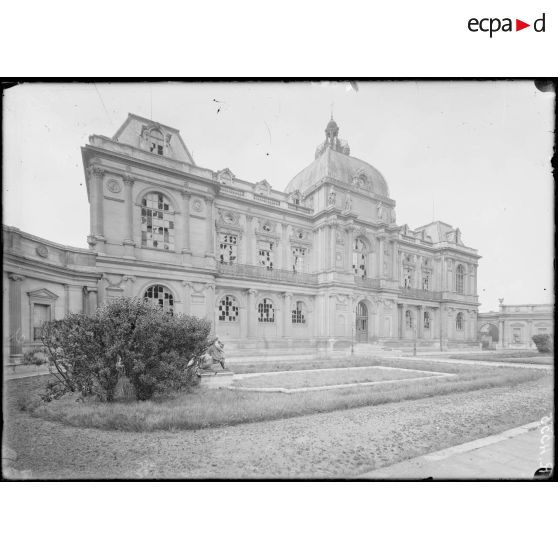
[
  {"x": 227, "y": 248},
  {"x": 159, "y": 295},
  {"x": 156, "y": 142},
  {"x": 265, "y": 254},
  {"x": 228, "y": 309},
  {"x": 157, "y": 222},
  {"x": 409, "y": 319},
  {"x": 426, "y": 280},
  {"x": 459, "y": 274},
  {"x": 426, "y": 322},
  {"x": 298, "y": 259},
  {"x": 266, "y": 313},
  {"x": 298, "y": 313},
  {"x": 459, "y": 321},
  {"x": 41, "y": 315},
  {"x": 359, "y": 258}
]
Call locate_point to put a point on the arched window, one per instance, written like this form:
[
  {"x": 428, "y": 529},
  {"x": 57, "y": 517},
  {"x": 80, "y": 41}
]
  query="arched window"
[
  {"x": 156, "y": 142},
  {"x": 459, "y": 274},
  {"x": 459, "y": 321},
  {"x": 228, "y": 309},
  {"x": 266, "y": 312},
  {"x": 159, "y": 295},
  {"x": 359, "y": 258},
  {"x": 157, "y": 222},
  {"x": 409, "y": 319},
  {"x": 298, "y": 313},
  {"x": 426, "y": 320}
]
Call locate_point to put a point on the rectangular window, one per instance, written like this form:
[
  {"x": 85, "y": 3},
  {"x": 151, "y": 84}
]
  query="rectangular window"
[
  {"x": 228, "y": 248},
  {"x": 41, "y": 315},
  {"x": 426, "y": 281},
  {"x": 265, "y": 254}
]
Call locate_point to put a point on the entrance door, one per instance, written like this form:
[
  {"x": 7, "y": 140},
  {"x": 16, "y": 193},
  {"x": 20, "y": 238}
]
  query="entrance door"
[{"x": 361, "y": 323}]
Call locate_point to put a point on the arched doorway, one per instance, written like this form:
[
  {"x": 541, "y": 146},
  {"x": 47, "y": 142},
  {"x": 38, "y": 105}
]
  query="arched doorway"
[{"x": 361, "y": 323}]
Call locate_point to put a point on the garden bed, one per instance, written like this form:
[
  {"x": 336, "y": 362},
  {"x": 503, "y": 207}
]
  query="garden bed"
[
  {"x": 202, "y": 408},
  {"x": 301, "y": 379}
]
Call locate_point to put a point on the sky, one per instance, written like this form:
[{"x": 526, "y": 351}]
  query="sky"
[{"x": 474, "y": 154}]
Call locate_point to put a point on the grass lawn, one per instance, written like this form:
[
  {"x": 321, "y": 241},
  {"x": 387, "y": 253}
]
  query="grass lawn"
[
  {"x": 202, "y": 408},
  {"x": 315, "y": 378},
  {"x": 519, "y": 357}
]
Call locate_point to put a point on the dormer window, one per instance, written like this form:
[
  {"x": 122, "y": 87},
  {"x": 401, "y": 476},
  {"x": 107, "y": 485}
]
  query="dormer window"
[{"x": 156, "y": 142}]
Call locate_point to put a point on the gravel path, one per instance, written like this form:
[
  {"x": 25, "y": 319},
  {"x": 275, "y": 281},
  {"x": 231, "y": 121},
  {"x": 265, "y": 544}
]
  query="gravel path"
[{"x": 337, "y": 444}]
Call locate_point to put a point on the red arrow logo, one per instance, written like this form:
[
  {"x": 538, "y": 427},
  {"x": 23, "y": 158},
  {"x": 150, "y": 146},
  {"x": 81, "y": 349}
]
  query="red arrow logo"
[{"x": 519, "y": 25}]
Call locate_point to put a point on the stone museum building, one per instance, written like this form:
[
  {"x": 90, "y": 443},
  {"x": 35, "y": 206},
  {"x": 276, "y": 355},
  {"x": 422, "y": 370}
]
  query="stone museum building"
[
  {"x": 513, "y": 325},
  {"x": 320, "y": 266}
]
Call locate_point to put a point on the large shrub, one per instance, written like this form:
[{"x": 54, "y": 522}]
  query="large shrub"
[
  {"x": 128, "y": 336},
  {"x": 544, "y": 343}
]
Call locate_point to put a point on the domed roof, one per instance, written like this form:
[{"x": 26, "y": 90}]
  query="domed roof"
[{"x": 339, "y": 166}]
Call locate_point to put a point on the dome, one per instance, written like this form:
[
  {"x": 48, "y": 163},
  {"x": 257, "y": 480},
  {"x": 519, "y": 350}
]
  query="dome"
[{"x": 339, "y": 166}]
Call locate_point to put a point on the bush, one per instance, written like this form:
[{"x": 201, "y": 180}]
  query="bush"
[
  {"x": 544, "y": 343},
  {"x": 35, "y": 356},
  {"x": 127, "y": 336}
]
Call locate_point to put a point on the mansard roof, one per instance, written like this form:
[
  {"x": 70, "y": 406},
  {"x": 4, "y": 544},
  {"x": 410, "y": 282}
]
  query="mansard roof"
[{"x": 134, "y": 128}]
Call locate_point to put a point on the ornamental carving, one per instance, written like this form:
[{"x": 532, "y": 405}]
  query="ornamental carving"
[
  {"x": 360, "y": 180},
  {"x": 262, "y": 188},
  {"x": 225, "y": 177},
  {"x": 197, "y": 205},
  {"x": 114, "y": 186},
  {"x": 41, "y": 251},
  {"x": 228, "y": 217}
]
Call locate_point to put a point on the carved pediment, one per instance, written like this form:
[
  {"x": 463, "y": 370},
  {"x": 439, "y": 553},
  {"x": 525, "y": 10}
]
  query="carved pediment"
[
  {"x": 225, "y": 176},
  {"x": 262, "y": 188},
  {"x": 45, "y": 294}
]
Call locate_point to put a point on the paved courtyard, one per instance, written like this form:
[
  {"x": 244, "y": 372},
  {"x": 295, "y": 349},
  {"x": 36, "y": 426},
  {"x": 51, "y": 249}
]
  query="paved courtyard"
[{"x": 514, "y": 454}]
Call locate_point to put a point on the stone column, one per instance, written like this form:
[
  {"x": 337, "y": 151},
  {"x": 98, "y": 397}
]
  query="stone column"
[
  {"x": 251, "y": 311},
  {"x": 442, "y": 325},
  {"x": 186, "y": 249},
  {"x": 129, "y": 208},
  {"x": 400, "y": 319},
  {"x": 285, "y": 264},
  {"x": 249, "y": 247},
  {"x": 16, "y": 333},
  {"x": 287, "y": 324},
  {"x": 501, "y": 334},
  {"x": 420, "y": 322},
  {"x": 381, "y": 256},
  {"x": 210, "y": 227},
  {"x": 97, "y": 175},
  {"x": 331, "y": 247},
  {"x": 349, "y": 249},
  {"x": 66, "y": 299},
  {"x": 475, "y": 268},
  {"x": 92, "y": 300}
]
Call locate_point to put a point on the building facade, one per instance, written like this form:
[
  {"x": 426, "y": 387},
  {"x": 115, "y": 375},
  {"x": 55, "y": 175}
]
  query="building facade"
[
  {"x": 322, "y": 265},
  {"x": 514, "y": 325}
]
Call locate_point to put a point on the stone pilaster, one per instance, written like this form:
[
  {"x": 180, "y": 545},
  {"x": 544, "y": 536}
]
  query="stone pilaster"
[
  {"x": 92, "y": 300},
  {"x": 287, "y": 322},
  {"x": 96, "y": 207},
  {"x": 128, "y": 242},
  {"x": 16, "y": 333},
  {"x": 210, "y": 227},
  {"x": 185, "y": 241},
  {"x": 251, "y": 311}
]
